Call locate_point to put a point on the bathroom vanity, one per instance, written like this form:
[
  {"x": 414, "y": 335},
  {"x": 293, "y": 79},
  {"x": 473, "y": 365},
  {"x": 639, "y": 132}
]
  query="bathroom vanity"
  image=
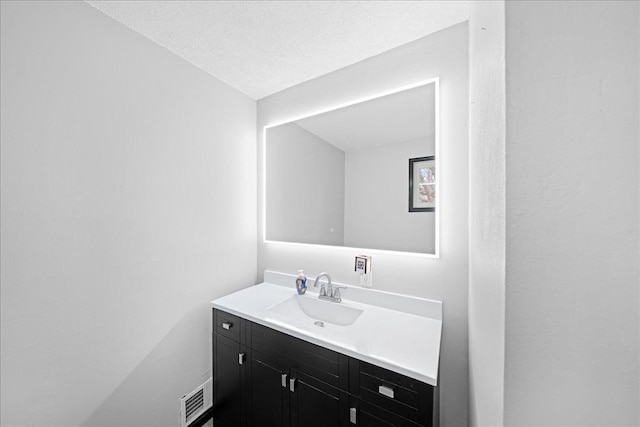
[{"x": 371, "y": 360}]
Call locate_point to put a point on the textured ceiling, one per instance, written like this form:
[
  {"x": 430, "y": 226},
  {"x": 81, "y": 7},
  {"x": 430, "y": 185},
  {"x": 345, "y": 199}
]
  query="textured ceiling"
[{"x": 262, "y": 47}]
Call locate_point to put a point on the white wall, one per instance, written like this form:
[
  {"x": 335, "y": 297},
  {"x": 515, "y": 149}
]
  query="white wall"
[
  {"x": 443, "y": 54},
  {"x": 128, "y": 202},
  {"x": 376, "y": 205},
  {"x": 572, "y": 193},
  {"x": 486, "y": 213},
  {"x": 293, "y": 212}
]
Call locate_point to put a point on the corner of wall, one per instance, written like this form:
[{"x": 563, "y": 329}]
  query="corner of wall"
[{"x": 487, "y": 251}]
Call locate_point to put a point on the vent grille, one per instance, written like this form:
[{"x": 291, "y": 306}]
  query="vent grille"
[{"x": 196, "y": 403}]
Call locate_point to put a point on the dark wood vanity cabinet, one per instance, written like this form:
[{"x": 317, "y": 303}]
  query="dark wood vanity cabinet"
[
  {"x": 230, "y": 357},
  {"x": 264, "y": 378}
]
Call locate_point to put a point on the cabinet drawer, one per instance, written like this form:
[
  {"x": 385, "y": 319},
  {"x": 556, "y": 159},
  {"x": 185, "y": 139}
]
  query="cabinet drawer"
[
  {"x": 376, "y": 390},
  {"x": 382, "y": 390},
  {"x": 226, "y": 325},
  {"x": 390, "y": 377}
]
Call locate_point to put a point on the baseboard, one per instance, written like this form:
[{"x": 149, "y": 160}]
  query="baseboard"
[{"x": 202, "y": 419}]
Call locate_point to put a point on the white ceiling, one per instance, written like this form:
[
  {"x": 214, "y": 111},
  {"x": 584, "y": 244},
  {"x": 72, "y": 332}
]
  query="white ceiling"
[{"x": 262, "y": 47}]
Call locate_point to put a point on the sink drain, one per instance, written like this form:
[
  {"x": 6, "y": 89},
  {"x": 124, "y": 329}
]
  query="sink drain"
[{"x": 319, "y": 323}]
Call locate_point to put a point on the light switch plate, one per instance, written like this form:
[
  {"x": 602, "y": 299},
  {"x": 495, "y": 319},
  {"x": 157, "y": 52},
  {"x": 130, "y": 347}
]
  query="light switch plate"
[{"x": 363, "y": 266}]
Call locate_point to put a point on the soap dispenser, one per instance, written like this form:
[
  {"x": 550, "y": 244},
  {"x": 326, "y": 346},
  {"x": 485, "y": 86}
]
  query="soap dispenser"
[{"x": 301, "y": 283}]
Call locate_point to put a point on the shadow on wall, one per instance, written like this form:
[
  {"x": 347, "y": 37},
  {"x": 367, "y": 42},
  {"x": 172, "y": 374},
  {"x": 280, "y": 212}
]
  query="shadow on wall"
[{"x": 149, "y": 396}]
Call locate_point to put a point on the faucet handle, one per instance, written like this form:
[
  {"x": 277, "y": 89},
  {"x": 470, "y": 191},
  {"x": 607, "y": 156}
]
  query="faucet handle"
[{"x": 336, "y": 292}]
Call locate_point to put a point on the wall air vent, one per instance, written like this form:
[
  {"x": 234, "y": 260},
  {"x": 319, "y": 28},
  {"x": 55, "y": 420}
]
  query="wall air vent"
[{"x": 195, "y": 403}]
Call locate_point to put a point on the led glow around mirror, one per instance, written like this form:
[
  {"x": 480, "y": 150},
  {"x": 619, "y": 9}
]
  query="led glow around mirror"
[{"x": 339, "y": 177}]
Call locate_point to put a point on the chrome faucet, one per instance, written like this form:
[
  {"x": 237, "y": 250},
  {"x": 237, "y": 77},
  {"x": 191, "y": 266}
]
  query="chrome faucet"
[
  {"x": 328, "y": 293},
  {"x": 323, "y": 290}
]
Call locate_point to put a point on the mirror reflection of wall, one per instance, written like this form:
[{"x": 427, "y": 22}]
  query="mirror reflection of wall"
[
  {"x": 341, "y": 177},
  {"x": 305, "y": 187}
]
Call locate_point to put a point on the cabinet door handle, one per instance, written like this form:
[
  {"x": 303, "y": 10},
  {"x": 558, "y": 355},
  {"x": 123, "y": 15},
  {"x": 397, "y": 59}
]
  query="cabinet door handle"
[
  {"x": 292, "y": 384},
  {"x": 284, "y": 380},
  {"x": 386, "y": 391},
  {"x": 240, "y": 358},
  {"x": 352, "y": 415},
  {"x": 227, "y": 325}
]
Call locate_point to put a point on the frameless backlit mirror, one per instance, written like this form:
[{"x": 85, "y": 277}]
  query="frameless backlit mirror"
[{"x": 361, "y": 175}]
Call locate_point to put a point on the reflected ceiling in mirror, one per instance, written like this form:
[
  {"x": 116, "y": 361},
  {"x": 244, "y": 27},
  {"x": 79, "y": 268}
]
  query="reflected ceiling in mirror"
[{"x": 341, "y": 177}]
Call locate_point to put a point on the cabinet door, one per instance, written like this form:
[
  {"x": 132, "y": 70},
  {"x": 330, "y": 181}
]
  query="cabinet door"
[
  {"x": 372, "y": 416},
  {"x": 228, "y": 376},
  {"x": 365, "y": 419},
  {"x": 268, "y": 406},
  {"x": 317, "y": 404}
]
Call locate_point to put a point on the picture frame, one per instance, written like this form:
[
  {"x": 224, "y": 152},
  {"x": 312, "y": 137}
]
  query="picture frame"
[{"x": 422, "y": 184}]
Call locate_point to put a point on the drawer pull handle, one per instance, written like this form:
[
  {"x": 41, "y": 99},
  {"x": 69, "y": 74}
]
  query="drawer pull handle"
[
  {"x": 352, "y": 415},
  {"x": 385, "y": 391},
  {"x": 240, "y": 358},
  {"x": 292, "y": 384},
  {"x": 227, "y": 325},
  {"x": 284, "y": 380}
]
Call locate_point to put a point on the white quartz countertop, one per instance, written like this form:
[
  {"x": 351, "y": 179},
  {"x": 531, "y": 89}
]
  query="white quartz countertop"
[{"x": 397, "y": 332}]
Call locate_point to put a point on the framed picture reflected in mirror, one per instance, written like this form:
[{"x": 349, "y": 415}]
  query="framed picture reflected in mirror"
[{"x": 422, "y": 184}]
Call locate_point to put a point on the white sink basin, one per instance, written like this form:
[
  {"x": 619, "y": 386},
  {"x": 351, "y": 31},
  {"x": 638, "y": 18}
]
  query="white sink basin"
[{"x": 307, "y": 308}]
